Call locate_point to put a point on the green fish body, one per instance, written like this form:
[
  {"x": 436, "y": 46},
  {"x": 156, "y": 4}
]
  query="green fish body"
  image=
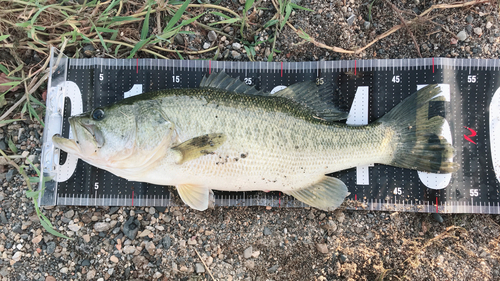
[{"x": 227, "y": 136}]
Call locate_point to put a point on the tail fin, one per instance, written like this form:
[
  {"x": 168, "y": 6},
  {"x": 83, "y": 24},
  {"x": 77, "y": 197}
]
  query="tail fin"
[{"x": 418, "y": 142}]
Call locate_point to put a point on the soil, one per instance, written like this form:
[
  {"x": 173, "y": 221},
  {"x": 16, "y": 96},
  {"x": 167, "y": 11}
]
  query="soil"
[{"x": 260, "y": 243}]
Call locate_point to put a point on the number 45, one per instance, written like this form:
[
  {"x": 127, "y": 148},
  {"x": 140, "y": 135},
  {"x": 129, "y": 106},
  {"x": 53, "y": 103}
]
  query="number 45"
[{"x": 398, "y": 191}]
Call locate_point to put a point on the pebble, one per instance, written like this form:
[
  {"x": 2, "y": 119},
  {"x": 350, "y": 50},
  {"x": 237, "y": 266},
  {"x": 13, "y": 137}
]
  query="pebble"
[
  {"x": 3, "y": 219},
  {"x": 36, "y": 239},
  {"x": 247, "y": 253},
  {"x": 478, "y": 31},
  {"x": 91, "y": 274},
  {"x": 489, "y": 25},
  {"x": 74, "y": 227},
  {"x": 131, "y": 228},
  {"x": 129, "y": 249},
  {"x": 206, "y": 45},
  {"x": 3, "y": 146},
  {"x": 86, "y": 238},
  {"x": 178, "y": 39},
  {"x": 350, "y": 20},
  {"x": 145, "y": 233},
  {"x": 64, "y": 270},
  {"x": 157, "y": 275},
  {"x": 366, "y": 25},
  {"x": 322, "y": 248},
  {"x": 85, "y": 262},
  {"x": 209, "y": 261},
  {"x": 10, "y": 175},
  {"x": 151, "y": 248},
  {"x": 469, "y": 19},
  {"x": 236, "y": 46},
  {"x": 102, "y": 226},
  {"x": 341, "y": 217},
  {"x": 50, "y": 278},
  {"x": 17, "y": 256},
  {"x": 199, "y": 268},
  {"x": 51, "y": 247},
  {"x": 114, "y": 259},
  {"x": 267, "y": 231},
  {"x": 152, "y": 210},
  {"x": 212, "y": 36},
  {"x": 273, "y": 269},
  {"x": 437, "y": 217},
  {"x": 166, "y": 242},
  {"x": 462, "y": 35},
  {"x": 235, "y": 54}
]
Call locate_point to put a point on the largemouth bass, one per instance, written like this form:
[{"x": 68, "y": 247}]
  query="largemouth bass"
[{"x": 225, "y": 135}]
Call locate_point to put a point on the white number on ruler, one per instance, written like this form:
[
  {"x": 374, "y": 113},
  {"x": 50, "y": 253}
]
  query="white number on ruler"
[
  {"x": 474, "y": 192},
  {"x": 471, "y": 79},
  {"x": 101, "y": 77},
  {"x": 176, "y": 78},
  {"x": 320, "y": 81},
  {"x": 398, "y": 191},
  {"x": 358, "y": 115},
  {"x": 248, "y": 81},
  {"x": 396, "y": 79},
  {"x": 96, "y": 185}
]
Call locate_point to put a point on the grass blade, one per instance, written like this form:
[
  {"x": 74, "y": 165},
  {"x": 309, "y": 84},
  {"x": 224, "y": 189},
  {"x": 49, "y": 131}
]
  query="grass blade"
[
  {"x": 12, "y": 146},
  {"x": 177, "y": 16},
  {"x": 3, "y": 37},
  {"x": 145, "y": 25},
  {"x": 33, "y": 112},
  {"x": 137, "y": 47},
  {"x": 220, "y": 14},
  {"x": 248, "y": 5},
  {"x": 51, "y": 230},
  {"x": 295, "y": 6},
  {"x": 4, "y": 69},
  {"x": 231, "y": 20}
]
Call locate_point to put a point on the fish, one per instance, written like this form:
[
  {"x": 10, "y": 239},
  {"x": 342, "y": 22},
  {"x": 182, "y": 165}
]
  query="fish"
[{"x": 225, "y": 135}]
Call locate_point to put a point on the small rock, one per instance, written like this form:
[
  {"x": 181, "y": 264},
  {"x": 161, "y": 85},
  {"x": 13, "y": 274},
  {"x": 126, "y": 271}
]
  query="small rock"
[
  {"x": 341, "y": 217},
  {"x": 131, "y": 227},
  {"x": 10, "y": 174},
  {"x": 3, "y": 146},
  {"x": 469, "y": 19},
  {"x": 350, "y": 20},
  {"x": 250, "y": 264},
  {"x": 247, "y": 253},
  {"x": 64, "y": 270},
  {"x": 86, "y": 238},
  {"x": 114, "y": 259},
  {"x": 342, "y": 258},
  {"x": 111, "y": 271},
  {"x": 322, "y": 248},
  {"x": 91, "y": 274},
  {"x": 209, "y": 261},
  {"x": 102, "y": 226},
  {"x": 468, "y": 28},
  {"x": 255, "y": 254},
  {"x": 37, "y": 239},
  {"x": 273, "y": 269},
  {"x": 267, "y": 231},
  {"x": 51, "y": 247},
  {"x": 478, "y": 31},
  {"x": 462, "y": 35},
  {"x": 235, "y": 55},
  {"x": 212, "y": 36},
  {"x": 166, "y": 242},
  {"x": 129, "y": 249},
  {"x": 17, "y": 256},
  {"x": 151, "y": 248},
  {"x": 85, "y": 262},
  {"x": 69, "y": 214},
  {"x": 74, "y": 227},
  {"x": 167, "y": 219},
  {"x": 152, "y": 210},
  {"x": 311, "y": 216},
  {"x": 50, "y": 278},
  {"x": 183, "y": 268},
  {"x": 157, "y": 275},
  {"x": 322, "y": 216},
  {"x": 236, "y": 46},
  {"x": 366, "y": 25},
  {"x": 488, "y": 26},
  {"x": 437, "y": 217},
  {"x": 199, "y": 268},
  {"x": 178, "y": 39},
  {"x": 145, "y": 233},
  {"x": 192, "y": 241},
  {"x": 206, "y": 45},
  {"x": 3, "y": 219}
]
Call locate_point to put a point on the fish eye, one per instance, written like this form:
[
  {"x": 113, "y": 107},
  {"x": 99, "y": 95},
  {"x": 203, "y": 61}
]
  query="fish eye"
[{"x": 98, "y": 114}]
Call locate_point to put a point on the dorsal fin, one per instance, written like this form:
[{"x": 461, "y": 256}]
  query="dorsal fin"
[
  {"x": 223, "y": 81},
  {"x": 319, "y": 99}
]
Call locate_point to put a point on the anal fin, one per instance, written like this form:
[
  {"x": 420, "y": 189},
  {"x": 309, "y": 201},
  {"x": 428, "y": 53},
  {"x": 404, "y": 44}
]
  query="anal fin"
[
  {"x": 327, "y": 194},
  {"x": 195, "y": 196}
]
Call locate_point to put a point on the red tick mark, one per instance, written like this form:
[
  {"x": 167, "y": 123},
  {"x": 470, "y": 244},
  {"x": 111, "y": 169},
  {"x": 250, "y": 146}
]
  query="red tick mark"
[
  {"x": 281, "y": 69},
  {"x": 354, "y": 68},
  {"x": 472, "y": 134},
  {"x": 432, "y": 65},
  {"x": 355, "y": 197},
  {"x": 132, "y": 198},
  {"x": 437, "y": 211}
]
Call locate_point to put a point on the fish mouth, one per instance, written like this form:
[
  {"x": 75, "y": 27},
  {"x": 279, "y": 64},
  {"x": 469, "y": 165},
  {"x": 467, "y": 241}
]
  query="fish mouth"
[{"x": 85, "y": 137}]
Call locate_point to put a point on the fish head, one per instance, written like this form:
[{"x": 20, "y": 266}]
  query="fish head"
[{"x": 120, "y": 136}]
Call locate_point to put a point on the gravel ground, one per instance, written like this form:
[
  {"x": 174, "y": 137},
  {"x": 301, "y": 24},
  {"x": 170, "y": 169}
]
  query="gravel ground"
[{"x": 177, "y": 243}]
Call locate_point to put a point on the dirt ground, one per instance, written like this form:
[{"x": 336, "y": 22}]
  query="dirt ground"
[{"x": 258, "y": 243}]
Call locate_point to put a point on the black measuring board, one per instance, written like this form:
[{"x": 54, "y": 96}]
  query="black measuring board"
[{"x": 367, "y": 89}]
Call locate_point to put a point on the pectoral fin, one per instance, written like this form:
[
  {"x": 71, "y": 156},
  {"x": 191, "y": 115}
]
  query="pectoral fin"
[
  {"x": 327, "y": 194},
  {"x": 195, "y": 196},
  {"x": 197, "y": 147}
]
